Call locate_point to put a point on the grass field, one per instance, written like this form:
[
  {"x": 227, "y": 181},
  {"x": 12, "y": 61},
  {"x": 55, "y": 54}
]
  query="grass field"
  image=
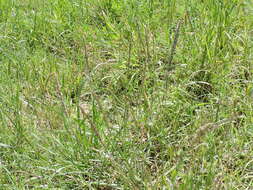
[{"x": 131, "y": 94}]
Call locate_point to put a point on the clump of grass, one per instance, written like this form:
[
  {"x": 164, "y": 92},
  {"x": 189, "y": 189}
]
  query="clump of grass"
[{"x": 125, "y": 94}]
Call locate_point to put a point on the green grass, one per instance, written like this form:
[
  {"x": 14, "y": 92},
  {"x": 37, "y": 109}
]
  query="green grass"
[{"x": 133, "y": 94}]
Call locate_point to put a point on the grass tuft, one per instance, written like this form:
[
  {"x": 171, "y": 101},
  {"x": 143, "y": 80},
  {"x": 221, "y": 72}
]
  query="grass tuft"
[{"x": 127, "y": 94}]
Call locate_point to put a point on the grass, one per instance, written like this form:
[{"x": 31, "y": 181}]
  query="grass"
[{"x": 134, "y": 94}]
